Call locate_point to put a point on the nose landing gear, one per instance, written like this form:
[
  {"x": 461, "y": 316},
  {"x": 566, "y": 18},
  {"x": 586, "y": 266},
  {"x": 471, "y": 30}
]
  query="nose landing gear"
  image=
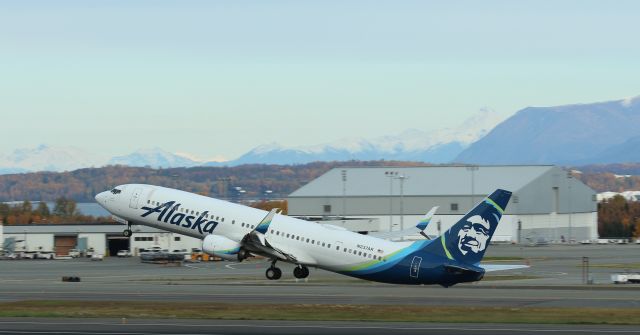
[{"x": 127, "y": 232}]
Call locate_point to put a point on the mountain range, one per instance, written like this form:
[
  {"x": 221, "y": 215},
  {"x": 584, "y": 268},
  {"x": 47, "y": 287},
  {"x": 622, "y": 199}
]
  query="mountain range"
[
  {"x": 577, "y": 134},
  {"x": 438, "y": 146}
]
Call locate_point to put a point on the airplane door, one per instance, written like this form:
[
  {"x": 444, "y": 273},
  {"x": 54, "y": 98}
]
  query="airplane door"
[
  {"x": 415, "y": 267},
  {"x": 134, "y": 198}
]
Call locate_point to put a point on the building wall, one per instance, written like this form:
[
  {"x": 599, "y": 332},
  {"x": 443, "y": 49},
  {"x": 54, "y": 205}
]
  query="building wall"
[
  {"x": 32, "y": 242},
  {"x": 553, "y": 192},
  {"x": 97, "y": 241}
]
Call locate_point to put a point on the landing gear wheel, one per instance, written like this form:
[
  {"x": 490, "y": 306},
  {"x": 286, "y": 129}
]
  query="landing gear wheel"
[
  {"x": 243, "y": 254},
  {"x": 127, "y": 233},
  {"x": 273, "y": 273},
  {"x": 301, "y": 272}
]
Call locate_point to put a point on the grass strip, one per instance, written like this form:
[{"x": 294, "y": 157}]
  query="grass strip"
[
  {"x": 318, "y": 312},
  {"x": 615, "y": 265}
]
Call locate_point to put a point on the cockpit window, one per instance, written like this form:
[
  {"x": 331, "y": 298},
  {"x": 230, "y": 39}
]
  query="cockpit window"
[{"x": 116, "y": 191}]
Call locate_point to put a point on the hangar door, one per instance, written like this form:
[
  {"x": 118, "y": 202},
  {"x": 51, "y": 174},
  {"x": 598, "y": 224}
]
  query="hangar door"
[
  {"x": 63, "y": 244},
  {"x": 117, "y": 243}
]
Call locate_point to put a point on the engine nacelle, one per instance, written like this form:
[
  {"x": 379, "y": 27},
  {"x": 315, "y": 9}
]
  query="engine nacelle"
[{"x": 221, "y": 246}]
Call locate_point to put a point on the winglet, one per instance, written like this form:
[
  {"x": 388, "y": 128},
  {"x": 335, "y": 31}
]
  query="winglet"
[
  {"x": 263, "y": 226},
  {"x": 422, "y": 225}
]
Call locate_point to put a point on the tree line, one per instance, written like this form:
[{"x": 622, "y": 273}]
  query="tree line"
[
  {"x": 618, "y": 217},
  {"x": 64, "y": 211},
  {"x": 254, "y": 181}
]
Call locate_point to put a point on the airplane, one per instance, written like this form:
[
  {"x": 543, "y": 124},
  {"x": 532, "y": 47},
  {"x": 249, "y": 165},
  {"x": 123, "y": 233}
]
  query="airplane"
[{"x": 235, "y": 232}]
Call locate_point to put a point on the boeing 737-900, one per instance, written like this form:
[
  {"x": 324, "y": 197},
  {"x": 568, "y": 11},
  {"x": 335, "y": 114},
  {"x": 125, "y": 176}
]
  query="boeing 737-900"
[{"x": 234, "y": 232}]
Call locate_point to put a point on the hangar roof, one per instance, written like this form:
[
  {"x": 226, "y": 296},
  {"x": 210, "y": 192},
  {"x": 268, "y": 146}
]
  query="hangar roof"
[{"x": 422, "y": 181}]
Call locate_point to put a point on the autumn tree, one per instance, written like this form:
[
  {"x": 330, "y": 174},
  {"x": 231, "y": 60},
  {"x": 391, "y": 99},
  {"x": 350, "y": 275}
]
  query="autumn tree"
[
  {"x": 43, "y": 209},
  {"x": 65, "y": 207}
]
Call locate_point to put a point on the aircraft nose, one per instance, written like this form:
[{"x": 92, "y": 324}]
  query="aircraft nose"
[{"x": 101, "y": 197}]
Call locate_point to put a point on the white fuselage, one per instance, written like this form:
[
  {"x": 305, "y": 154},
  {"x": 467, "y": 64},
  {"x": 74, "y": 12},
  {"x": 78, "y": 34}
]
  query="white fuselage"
[{"x": 312, "y": 244}]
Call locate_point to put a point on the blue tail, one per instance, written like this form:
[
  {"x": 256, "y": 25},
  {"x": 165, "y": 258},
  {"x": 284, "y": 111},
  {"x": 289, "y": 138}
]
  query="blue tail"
[{"x": 467, "y": 240}]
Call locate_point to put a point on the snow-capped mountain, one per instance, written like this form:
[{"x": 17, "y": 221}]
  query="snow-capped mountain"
[
  {"x": 438, "y": 146},
  {"x": 46, "y": 158},
  {"x": 155, "y": 158},
  {"x": 577, "y": 134}
]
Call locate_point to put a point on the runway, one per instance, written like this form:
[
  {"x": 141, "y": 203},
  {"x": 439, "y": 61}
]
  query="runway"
[
  {"x": 552, "y": 281},
  {"x": 144, "y": 327}
]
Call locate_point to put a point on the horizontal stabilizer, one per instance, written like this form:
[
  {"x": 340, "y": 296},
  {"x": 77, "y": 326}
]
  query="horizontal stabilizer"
[
  {"x": 417, "y": 229},
  {"x": 502, "y": 267},
  {"x": 461, "y": 269}
]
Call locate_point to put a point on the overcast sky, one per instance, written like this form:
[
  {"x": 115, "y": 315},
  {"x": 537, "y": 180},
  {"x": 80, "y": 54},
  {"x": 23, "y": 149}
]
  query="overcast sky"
[{"x": 217, "y": 78}]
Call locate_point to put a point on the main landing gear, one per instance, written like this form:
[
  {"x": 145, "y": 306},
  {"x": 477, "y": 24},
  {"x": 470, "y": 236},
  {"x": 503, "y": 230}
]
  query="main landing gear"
[
  {"x": 273, "y": 273},
  {"x": 301, "y": 272}
]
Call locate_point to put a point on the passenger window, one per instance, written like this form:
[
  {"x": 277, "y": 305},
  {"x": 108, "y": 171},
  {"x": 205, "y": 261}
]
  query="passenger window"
[
  {"x": 287, "y": 235},
  {"x": 345, "y": 250},
  {"x": 243, "y": 224},
  {"x": 323, "y": 244},
  {"x": 328, "y": 245},
  {"x": 298, "y": 238},
  {"x": 313, "y": 241},
  {"x": 222, "y": 220},
  {"x": 359, "y": 253},
  {"x": 271, "y": 231}
]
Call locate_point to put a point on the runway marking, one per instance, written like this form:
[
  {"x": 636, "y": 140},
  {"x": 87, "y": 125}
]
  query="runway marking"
[
  {"x": 262, "y": 294},
  {"x": 229, "y": 266},
  {"x": 208, "y": 325}
]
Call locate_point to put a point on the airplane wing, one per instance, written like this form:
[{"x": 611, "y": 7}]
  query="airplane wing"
[
  {"x": 502, "y": 267},
  {"x": 256, "y": 242},
  {"x": 417, "y": 229}
]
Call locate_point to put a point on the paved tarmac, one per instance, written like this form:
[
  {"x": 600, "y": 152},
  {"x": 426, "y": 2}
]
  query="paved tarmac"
[
  {"x": 554, "y": 280},
  {"x": 143, "y": 327}
]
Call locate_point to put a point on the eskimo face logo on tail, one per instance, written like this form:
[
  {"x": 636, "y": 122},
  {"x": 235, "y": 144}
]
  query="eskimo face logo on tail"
[
  {"x": 169, "y": 213},
  {"x": 473, "y": 235}
]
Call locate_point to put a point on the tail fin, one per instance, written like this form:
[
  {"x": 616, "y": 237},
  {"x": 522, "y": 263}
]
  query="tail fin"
[{"x": 467, "y": 240}]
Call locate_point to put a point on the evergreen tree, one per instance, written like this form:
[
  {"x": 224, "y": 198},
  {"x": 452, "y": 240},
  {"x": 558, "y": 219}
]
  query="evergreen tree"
[
  {"x": 26, "y": 207},
  {"x": 43, "y": 209}
]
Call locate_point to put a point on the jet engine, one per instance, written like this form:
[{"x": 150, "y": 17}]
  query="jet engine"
[{"x": 221, "y": 246}]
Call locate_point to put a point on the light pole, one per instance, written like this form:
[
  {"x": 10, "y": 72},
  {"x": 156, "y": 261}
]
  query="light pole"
[
  {"x": 390, "y": 175},
  {"x": 402, "y": 179},
  {"x": 472, "y": 169},
  {"x": 570, "y": 178},
  {"x": 344, "y": 193}
]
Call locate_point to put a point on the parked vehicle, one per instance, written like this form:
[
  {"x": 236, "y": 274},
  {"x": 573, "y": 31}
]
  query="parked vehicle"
[
  {"x": 97, "y": 257},
  {"x": 124, "y": 253},
  {"x": 74, "y": 253},
  {"x": 198, "y": 256},
  {"x": 45, "y": 255},
  {"x": 28, "y": 255}
]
